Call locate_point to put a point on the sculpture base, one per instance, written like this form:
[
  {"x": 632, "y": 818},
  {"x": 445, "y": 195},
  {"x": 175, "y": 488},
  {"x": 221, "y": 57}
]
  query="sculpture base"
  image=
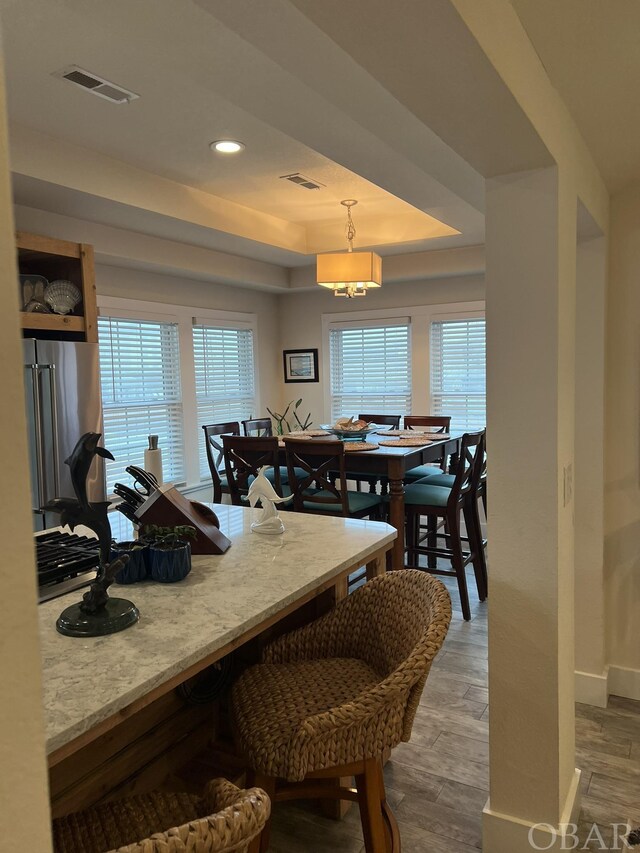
[
  {"x": 273, "y": 526},
  {"x": 116, "y": 615}
]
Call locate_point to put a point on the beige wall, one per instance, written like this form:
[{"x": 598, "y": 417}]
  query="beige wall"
[
  {"x": 24, "y": 802},
  {"x": 622, "y": 444},
  {"x": 301, "y": 321}
]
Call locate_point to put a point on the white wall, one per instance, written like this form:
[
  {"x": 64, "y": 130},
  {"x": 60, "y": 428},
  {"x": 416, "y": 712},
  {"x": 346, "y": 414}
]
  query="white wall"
[
  {"x": 622, "y": 446},
  {"x": 301, "y": 322}
]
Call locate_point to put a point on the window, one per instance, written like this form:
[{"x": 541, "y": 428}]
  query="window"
[
  {"x": 141, "y": 394},
  {"x": 370, "y": 368},
  {"x": 225, "y": 383},
  {"x": 458, "y": 372}
]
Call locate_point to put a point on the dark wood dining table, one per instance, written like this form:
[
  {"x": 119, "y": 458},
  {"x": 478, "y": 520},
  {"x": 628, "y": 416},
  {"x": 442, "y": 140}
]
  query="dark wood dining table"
[{"x": 393, "y": 463}]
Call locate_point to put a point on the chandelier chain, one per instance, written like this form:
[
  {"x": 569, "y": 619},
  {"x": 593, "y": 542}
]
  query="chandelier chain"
[{"x": 350, "y": 229}]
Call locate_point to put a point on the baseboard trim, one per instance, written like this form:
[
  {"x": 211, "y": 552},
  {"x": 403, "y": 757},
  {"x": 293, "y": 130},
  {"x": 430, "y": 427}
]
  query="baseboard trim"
[
  {"x": 592, "y": 689},
  {"x": 624, "y": 682},
  {"x": 503, "y": 833}
]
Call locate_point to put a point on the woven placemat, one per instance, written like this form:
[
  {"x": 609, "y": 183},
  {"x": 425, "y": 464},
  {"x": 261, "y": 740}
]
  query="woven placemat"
[
  {"x": 307, "y": 433},
  {"x": 355, "y": 446},
  {"x": 407, "y": 442},
  {"x": 415, "y": 433}
]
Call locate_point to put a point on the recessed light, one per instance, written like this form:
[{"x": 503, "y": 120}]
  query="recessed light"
[{"x": 226, "y": 146}]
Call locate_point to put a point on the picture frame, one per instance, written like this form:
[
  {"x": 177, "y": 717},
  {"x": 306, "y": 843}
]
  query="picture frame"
[{"x": 300, "y": 365}]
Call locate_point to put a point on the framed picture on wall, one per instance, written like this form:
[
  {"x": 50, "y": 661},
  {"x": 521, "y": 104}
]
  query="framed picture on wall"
[{"x": 300, "y": 365}]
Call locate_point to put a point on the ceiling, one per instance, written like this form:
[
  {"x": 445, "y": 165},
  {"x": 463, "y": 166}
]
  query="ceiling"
[
  {"x": 590, "y": 51},
  {"x": 163, "y": 51}
]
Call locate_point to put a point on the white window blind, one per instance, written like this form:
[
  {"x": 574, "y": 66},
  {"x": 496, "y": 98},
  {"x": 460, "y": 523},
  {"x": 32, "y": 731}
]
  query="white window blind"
[
  {"x": 225, "y": 378},
  {"x": 458, "y": 372},
  {"x": 141, "y": 394},
  {"x": 370, "y": 369}
]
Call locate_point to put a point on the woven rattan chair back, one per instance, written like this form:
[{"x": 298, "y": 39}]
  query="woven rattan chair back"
[
  {"x": 235, "y": 818},
  {"x": 215, "y": 453},
  {"x": 243, "y": 458},
  {"x": 438, "y": 423},
  {"x": 322, "y": 464},
  {"x": 396, "y": 623},
  {"x": 258, "y": 427},
  {"x": 382, "y": 420}
]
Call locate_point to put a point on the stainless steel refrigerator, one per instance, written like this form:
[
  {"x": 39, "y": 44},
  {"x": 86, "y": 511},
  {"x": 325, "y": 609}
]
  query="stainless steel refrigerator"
[{"x": 62, "y": 380}]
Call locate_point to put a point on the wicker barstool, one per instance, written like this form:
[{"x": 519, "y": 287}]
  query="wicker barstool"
[
  {"x": 333, "y": 697},
  {"x": 167, "y": 823}
]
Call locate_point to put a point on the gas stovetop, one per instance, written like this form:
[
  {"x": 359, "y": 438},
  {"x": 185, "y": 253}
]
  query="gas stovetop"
[{"x": 65, "y": 562}]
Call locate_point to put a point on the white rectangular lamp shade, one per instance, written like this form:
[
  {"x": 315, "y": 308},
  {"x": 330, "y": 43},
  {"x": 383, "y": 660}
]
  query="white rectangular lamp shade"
[{"x": 362, "y": 269}]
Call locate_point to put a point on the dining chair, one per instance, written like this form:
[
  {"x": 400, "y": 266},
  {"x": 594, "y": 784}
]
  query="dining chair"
[
  {"x": 244, "y": 456},
  {"x": 448, "y": 503},
  {"x": 392, "y": 421},
  {"x": 478, "y": 492},
  {"x": 215, "y": 455},
  {"x": 382, "y": 420},
  {"x": 331, "y": 699},
  {"x": 163, "y": 822},
  {"x": 320, "y": 465},
  {"x": 258, "y": 427},
  {"x": 436, "y": 423}
]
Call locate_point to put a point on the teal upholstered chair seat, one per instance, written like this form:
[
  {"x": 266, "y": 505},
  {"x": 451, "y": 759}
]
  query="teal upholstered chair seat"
[
  {"x": 284, "y": 474},
  {"x": 438, "y": 479},
  {"x": 425, "y": 494},
  {"x": 421, "y": 471},
  {"x": 358, "y": 502}
]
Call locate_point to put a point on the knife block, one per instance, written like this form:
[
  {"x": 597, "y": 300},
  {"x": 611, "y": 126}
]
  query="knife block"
[{"x": 167, "y": 507}]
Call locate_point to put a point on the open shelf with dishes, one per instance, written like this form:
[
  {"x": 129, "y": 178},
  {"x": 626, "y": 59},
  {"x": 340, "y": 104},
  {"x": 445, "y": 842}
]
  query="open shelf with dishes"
[{"x": 57, "y": 288}]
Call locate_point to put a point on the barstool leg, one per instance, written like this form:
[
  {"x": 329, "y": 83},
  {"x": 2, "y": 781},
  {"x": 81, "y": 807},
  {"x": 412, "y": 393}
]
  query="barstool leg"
[
  {"x": 474, "y": 535},
  {"x": 268, "y": 785},
  {"x": 457, "y": 561},
  {"x": 371, "y": 798}
]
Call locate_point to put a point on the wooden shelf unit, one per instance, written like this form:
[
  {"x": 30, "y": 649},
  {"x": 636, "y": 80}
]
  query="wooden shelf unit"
[{"x": 53, "y": 259}]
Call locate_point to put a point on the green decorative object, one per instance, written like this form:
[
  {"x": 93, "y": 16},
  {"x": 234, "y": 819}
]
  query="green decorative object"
[
  {"x": 97, "y": 614},
  {"x": 282, "y": 422}
]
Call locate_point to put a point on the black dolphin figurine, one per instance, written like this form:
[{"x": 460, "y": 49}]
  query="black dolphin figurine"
[{"x": 81, "y": 460}]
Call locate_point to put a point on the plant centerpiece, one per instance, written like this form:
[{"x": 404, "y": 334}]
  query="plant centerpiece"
[
  {"x": 169, "y": 551},
  {"x": 137, "y": 567},
  {"x": 283, "y": 425}
]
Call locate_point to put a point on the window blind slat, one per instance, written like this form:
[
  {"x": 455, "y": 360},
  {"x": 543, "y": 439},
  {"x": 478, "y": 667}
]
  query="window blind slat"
[
  {"x": 370, "y": 369},
  {"x": 458, "y": 372},
  {"x": 141, "y": 394},
  {"x": 225, "y": 378}
]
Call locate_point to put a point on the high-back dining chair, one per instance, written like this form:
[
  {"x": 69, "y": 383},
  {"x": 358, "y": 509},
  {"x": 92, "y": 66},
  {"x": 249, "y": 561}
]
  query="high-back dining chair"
[
  {"x": 258, "y": 427},
  {"x": 215, "y": 455},
  {"x": 224, "y": 820},
  {"x": 440, "y": 502},
  {"x": 244, "y": 456},
  {"x": 332, "y": 698},
  {"x": 382, "y": 420},
  {"x": 435, "y": 423},
  {"x": 318, "y": 481}
]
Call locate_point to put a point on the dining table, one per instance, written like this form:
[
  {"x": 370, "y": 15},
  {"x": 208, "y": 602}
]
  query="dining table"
[{"x": 392, "y": 463}]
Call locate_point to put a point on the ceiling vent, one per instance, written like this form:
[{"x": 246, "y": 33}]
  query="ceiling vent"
[
  {"x": 96, "y": 85},
  {"x": 302, "y": 181}
]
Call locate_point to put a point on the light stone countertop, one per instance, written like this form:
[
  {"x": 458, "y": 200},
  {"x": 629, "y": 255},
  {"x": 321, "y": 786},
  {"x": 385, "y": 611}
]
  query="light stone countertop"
[{"x": 86, "y": 681}]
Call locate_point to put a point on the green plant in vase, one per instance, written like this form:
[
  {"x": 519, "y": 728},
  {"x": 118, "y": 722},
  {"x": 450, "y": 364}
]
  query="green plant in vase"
[
  {"x": 283, "y": 425},
  {"x": 169, "y": 551}
]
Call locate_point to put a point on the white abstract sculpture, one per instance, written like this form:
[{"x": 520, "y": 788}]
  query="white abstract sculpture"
[{"x": 262, "y": 490}]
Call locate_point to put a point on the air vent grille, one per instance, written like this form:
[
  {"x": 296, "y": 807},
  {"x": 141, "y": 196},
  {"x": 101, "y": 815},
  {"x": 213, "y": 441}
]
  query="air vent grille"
[
  {"x": 302, "y": 181},
  {"x": 96, "y": 85}
]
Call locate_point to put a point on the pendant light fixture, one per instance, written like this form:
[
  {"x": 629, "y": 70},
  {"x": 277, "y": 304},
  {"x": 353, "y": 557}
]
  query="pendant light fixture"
[{"x": 349, "y": 273}]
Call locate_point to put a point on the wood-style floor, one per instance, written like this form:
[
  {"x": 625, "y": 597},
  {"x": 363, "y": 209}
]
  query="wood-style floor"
[{"x": 438, "y": 783}]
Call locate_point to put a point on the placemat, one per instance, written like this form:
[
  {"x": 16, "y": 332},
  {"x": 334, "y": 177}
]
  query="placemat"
[
  {"x": 408, "y": 433},
  {"x": 407, "y": 442},
  {"x": 355, "y": 446},
  {"x": 307, "y": 433}
]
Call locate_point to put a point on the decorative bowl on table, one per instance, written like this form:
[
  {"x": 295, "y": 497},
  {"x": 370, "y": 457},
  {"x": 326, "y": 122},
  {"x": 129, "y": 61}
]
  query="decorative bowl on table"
[{"x": 346, "y": 429}]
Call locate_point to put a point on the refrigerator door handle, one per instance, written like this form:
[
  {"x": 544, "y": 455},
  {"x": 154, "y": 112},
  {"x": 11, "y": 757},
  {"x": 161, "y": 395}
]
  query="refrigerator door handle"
[
  {"x": 54, "y": 424},
  {"x": 37, "y": 418}
]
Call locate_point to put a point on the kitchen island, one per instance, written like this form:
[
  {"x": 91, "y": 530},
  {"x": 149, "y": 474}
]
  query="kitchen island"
[{"x": 93, "y": 687}]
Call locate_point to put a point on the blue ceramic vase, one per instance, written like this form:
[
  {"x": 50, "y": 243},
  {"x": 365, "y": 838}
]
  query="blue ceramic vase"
[
  {"x": 137, "y": 568},
  {"x": 170, "y": 565}
]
